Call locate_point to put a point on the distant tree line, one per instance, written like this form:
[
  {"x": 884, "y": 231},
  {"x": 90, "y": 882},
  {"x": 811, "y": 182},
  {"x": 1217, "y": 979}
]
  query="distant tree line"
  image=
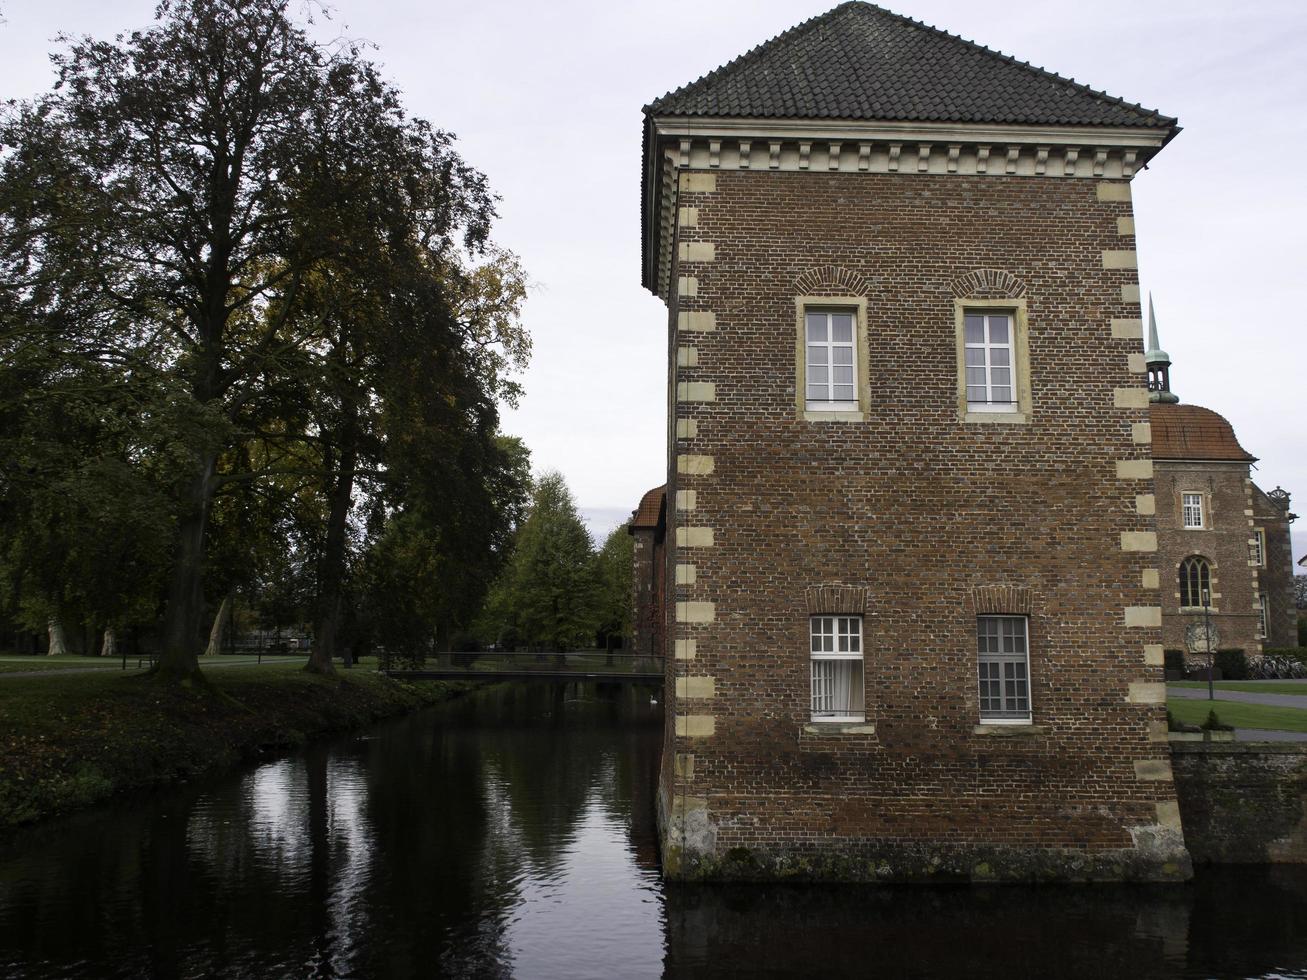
[{"x": 254, "y": 337}]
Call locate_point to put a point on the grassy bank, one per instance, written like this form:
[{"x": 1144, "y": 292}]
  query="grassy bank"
[
  {"x": 1239, "y": 714},
  {"x": 76, "y": 739}
]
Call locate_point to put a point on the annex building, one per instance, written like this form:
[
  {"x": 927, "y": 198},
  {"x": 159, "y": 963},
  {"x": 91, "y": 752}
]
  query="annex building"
[
  {"x": 909, "y": 535},
  {"x": 1223, "y": 542}
]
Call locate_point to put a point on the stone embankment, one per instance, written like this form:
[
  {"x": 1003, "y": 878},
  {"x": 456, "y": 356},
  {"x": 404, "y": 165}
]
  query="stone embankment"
[{"x": 1242, "y": 802}]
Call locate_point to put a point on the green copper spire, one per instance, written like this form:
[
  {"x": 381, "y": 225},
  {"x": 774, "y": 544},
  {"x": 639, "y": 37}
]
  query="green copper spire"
[{"x": 1158, "y": 363}]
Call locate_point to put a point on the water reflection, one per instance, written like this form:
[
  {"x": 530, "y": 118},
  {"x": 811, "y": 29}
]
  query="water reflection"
[{"x": 511, "y": 834}]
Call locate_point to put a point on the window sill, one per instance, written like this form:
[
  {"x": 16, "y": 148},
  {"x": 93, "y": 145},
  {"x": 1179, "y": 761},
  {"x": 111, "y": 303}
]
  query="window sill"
[
  {"x": 1008, "y": 418},
  {"x": 814, "y": 415},
  {"x": 839, "y": 728},
  {"x": 1021, "y": 729},
  {"x": 1199, "y": 610}
]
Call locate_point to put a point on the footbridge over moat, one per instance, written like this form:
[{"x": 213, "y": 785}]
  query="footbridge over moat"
[{"x": 617, "y": 667}]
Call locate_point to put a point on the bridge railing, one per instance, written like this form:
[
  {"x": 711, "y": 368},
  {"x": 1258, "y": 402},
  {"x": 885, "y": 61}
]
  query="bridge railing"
[{"x": 499, "y": 661}]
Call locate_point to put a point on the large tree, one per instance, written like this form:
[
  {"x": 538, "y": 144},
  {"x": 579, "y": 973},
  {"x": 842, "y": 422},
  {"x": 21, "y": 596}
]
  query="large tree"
[{"x": 169, "y": 203}]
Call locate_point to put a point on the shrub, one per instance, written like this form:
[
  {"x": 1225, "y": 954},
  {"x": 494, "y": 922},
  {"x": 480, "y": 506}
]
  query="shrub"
[
  {"x": 1174, "y": 659},
  {"x": 1232, "y": 664},
  {"x": 1292, "y": 653},
  {"x": 1213, "y": 723}
]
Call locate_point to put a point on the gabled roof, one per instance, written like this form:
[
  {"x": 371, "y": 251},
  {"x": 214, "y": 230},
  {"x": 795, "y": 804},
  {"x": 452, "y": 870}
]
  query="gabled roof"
[
  {"x": 861, "y": 61},
  {"x": 1192, "y": 432}
]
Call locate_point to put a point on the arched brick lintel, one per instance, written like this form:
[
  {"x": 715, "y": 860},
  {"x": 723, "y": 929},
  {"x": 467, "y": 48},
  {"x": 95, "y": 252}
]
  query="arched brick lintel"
[
  {"x": 847, "y": 600},
  {"x": 988, "y": 284},
  {"x": 1013, "y": 600},
  {"x": 832, "y": 279}
]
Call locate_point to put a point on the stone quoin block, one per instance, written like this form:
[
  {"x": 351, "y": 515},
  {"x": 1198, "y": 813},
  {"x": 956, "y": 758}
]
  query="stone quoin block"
[{"x": 695, "y": 726}]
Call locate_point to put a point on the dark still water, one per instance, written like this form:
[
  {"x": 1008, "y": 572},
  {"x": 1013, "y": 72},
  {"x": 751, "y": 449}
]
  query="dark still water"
[{"x": 511, "y": 834}]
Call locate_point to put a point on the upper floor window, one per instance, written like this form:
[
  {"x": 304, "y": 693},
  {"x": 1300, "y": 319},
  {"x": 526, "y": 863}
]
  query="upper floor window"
[
  {"x": 993, "y": 364},
  {"x": 1001, "y": 643},
  {"x": 1191, "y": 509},
  {"x": 990, "y": 342},
  {"x": 837, "y": 686},
  {"x": 1195, "y": 582},
  {"x": 1257, "y": 548},
  {"x": 832, "y": 376}
]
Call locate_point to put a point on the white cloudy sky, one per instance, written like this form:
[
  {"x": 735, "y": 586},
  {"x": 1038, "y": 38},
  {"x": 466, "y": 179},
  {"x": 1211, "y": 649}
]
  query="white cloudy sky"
[{"x": 545, "y": 98}]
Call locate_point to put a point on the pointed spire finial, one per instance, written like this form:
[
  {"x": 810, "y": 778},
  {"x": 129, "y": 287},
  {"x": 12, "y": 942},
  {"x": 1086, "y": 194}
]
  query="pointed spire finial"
[
  {"x": 1152, "y": 325},
  {"x": 1158, "y": 362}
]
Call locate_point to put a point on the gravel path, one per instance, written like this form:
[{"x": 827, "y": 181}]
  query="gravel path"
[{"x": 1248, "y": 697}]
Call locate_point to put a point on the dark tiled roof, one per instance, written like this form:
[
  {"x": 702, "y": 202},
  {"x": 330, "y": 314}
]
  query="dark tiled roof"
[
  {"x": 1193, "y": 432},
  {"x": 650, "y": 509},
  {"x": 860, "y": 61}
]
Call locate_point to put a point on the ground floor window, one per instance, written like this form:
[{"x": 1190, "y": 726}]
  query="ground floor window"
[
  {"x": 1001, "y": 642},
  {"x": 1263, "y": 625},
  {"x": 836, "y": 648}
]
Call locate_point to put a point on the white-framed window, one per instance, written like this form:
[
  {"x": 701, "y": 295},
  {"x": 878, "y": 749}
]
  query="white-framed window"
[
  {"x": 1191, "y": 510},
  {"x": 831, "y": 361},
  {"x": 1001, "y": 644},
  {"x": 1264, "y": 623},
  {"x": 1257, "y": 548},
  {"x": 989, "y": 341},
  {"x": 837, "y": 686}
]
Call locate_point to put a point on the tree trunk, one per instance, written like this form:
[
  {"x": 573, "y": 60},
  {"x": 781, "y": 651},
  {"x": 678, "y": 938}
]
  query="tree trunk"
[
  {"x": 181, "y": 624},
  {"x": 331, "y": 572},
  {"x": 109, "y": 648},
  {"x": 58, "y": 639},
  {"x": 219, "y": 629}
]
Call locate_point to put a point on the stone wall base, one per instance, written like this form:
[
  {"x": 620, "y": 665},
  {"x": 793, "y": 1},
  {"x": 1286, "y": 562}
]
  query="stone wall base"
[{"x": 690, "y": 853}]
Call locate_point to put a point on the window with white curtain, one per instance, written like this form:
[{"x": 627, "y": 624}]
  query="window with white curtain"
[
  {"x": 836, "y": 649},
  {"x": 1001, "y": 643}
]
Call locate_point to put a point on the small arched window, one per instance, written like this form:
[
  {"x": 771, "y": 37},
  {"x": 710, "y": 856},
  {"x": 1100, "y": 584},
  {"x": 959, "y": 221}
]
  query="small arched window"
[{"x": 1195, "y": 581}]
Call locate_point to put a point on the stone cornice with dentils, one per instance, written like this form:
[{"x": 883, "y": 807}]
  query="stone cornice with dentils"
[{"x": 910, "y": 149}]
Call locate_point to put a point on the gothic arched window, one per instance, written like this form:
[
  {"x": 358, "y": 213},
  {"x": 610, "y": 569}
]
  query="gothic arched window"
[{"x": 1195, "y": 581}]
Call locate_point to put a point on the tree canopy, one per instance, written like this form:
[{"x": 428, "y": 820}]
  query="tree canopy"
[{"x": 250, "y": 318}]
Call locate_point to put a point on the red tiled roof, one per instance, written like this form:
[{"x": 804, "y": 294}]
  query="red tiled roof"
[
  {"x": 651, "y": 506},
  {"x": 1193, "y": 432}
]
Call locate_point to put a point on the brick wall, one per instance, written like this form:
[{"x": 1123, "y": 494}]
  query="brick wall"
[
  {"x": 1227, "y": 499},
  {"x": 1243, "y": 803},
  {"x": 647, "y": 591},
  {"x": 924, "y": 514},
  {"x": 1276, "y": 579}
]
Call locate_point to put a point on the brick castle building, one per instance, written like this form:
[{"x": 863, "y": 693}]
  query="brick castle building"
[
  {"x": 914, "y": 607},
  {"x": 1223, "y": 543}
]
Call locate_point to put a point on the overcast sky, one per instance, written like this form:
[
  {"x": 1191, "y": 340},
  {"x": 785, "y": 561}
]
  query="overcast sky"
[{"x": 545, "y": 98}]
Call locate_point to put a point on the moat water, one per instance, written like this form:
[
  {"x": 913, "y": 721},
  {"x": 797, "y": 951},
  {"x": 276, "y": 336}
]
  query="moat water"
[{"x": 511, "y": 834}]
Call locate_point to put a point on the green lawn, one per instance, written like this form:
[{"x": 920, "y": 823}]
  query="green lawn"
[
  {"x": 14, "y": 663},
  {"x": 1257, "y": 687},
  {"x": 1239, "y": 715}
]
